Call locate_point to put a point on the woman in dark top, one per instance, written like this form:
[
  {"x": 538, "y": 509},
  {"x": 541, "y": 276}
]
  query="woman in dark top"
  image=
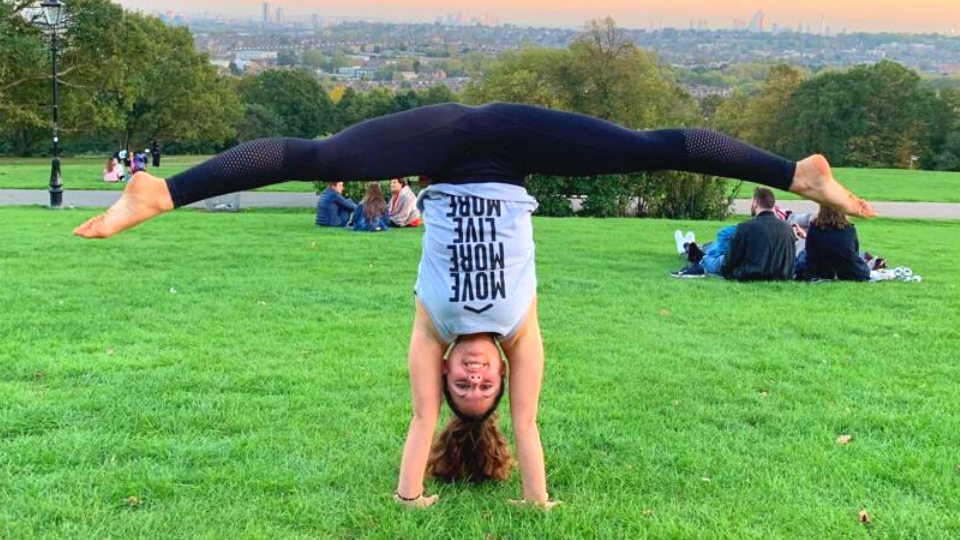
[{"x": 833, "y": 249}]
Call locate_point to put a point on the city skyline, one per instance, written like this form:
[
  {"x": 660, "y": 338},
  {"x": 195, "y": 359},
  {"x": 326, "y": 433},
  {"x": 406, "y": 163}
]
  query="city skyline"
[{"x": 922, "y": 16}]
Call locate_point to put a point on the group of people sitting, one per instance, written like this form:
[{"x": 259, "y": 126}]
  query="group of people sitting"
[
  {"x": 372, "y": 214},
  {"x": 777, "y": 245},
  {"x": 124, "y": 163}
]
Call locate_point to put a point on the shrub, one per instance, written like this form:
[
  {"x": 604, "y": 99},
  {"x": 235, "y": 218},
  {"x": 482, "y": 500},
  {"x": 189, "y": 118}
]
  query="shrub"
[{"x": 673, "y": 195}]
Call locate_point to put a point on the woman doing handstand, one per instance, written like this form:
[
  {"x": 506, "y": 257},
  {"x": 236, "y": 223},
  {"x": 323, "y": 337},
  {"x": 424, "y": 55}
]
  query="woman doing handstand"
[{"x": 476, "y": 283}]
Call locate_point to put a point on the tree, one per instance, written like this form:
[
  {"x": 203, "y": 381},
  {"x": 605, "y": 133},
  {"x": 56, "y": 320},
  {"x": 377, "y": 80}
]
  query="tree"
[
  {"x": 259, "y": 122},
  {"x": 295, "y": 97},
  {"x": 313, "y": 59},
  {"x": 531, "y": 75},
  {"x": 180, "y": 96},
  {"x": 134, "y": 77},
  {"x": 287, "y": 57},
  {"x": 868, "y": 116},
  {"x": 85, "y": 85},
  {"x": 766, "y": 118},
  {"x": 337, "y": 61}
]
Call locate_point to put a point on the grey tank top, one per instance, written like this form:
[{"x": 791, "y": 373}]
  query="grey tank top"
[{"x": 477, "y": 271}]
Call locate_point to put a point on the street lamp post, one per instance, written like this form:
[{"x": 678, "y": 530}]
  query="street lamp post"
[{"x": 52, "y": 18}]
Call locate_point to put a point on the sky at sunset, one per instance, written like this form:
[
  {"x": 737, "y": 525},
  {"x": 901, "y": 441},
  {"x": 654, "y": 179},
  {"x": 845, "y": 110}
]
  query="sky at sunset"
[{"x": 869, "y": 15}]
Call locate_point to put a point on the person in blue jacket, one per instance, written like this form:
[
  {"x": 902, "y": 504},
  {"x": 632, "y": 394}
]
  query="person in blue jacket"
[{"x": 333, "y": 209}]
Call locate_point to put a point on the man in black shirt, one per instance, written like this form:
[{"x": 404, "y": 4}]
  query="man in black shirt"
[{"x": 763, "y": 249}]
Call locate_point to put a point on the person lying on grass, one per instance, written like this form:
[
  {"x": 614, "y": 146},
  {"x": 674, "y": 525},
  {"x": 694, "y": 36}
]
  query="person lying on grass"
[{"x": 476, "y": 285}]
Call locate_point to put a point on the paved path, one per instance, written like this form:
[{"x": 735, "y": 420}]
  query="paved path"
[
  {"x": 262, "y": 199},
  {"x": 916, "y": 210}
]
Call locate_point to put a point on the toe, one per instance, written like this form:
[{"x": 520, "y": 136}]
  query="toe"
[{"x": 90, "y": 229}]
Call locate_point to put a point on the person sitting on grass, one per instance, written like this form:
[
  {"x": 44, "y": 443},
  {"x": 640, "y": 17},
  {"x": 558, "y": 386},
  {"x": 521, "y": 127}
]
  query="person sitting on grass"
[
  {"x": 371, "y": 214},
  {"x": 333, "y": 209},
  {"x": 403, "y": 204},
  {"x": 476, "y": 290},
  {"x": 113, "y": 172},
  {"x": 833, "y": 249},
  {"x": 762, "y": 249}
]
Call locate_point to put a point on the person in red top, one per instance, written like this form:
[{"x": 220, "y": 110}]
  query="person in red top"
[{"x": 403, "y": 204}]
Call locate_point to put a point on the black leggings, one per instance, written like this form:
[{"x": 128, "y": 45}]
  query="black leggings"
[{"x": 497, "y": 142}]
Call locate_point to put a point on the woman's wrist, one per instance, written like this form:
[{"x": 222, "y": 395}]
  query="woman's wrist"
[{"x": 402, "y": 498}]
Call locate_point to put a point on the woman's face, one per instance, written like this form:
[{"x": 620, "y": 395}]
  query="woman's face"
[
  {"x": 474, "y": 373},
  {"x": 395, "y": 186}
]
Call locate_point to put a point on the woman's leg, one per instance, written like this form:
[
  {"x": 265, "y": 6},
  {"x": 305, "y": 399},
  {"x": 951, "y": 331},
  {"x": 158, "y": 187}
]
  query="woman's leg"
[
  {"x": 562, "y": 143},
  {"x": 420, "y": 141}
]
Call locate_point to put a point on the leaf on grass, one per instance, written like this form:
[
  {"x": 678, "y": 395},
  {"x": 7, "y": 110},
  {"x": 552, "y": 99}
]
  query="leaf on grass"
[
  {"x": 664, "y": 312},
  {"x": 110, "y": 351},
  {"x": 676, "y": 403},
  {"x": 844, "y": 439},
  {"x": 134, "y": 501},
  {"x": 39, "y": 375},
  {"x": 705, "y": 479},
  {"x": 315, "y": 244},
  {"x": 647, "y": 512},
  {"x": 173, "y": 290},
  {"x": 764, "y": 393},
  {"x": 864, "y": 517},
  {"x": 261, "y": 302}
]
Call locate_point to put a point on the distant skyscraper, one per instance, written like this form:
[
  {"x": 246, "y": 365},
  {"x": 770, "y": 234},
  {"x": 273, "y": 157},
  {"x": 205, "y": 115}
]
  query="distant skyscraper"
[
  {"x": 266, "y": 13},
  {"x": 279, "y": 17},
  {"x": 315, "y": 22},
  {"x": 757, "y": 24}
]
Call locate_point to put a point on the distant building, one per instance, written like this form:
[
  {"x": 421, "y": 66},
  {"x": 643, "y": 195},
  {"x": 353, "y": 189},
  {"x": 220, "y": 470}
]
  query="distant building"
[
  {"x": 279, "y": 16},
  {"x": 266, "y": 13},
  {"x": 758, "y": 22}
]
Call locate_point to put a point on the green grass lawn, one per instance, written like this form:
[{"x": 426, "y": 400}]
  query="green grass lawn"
[
  {"x": 872, "y": 184},
  {"x": 890, "y": 185},
  {"x": 244, "y": 376}
]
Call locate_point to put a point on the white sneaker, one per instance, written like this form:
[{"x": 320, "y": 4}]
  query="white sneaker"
[
  {"x": 690, "y": 238},
  {"x": 678, "y": 236}
]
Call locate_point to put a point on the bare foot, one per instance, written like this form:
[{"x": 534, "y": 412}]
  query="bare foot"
[
  {"x": 145, "y": 197},
  {"x": 814, "y": 180}
]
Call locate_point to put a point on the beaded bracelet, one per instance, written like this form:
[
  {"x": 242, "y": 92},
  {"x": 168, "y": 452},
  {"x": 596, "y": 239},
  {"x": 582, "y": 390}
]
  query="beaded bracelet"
[{"x": 405, "y": 499}]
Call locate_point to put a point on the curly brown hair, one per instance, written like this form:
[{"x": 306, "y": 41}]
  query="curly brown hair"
[
  {"x": 472, "y": 448},
  {"x": 829, "y": 219}
]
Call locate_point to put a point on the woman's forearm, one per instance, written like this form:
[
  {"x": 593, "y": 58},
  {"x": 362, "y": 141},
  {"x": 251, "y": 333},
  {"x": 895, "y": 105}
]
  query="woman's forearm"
[
  {"x": 532, "y": 468},
  {"x": 416, "y": 452}
]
